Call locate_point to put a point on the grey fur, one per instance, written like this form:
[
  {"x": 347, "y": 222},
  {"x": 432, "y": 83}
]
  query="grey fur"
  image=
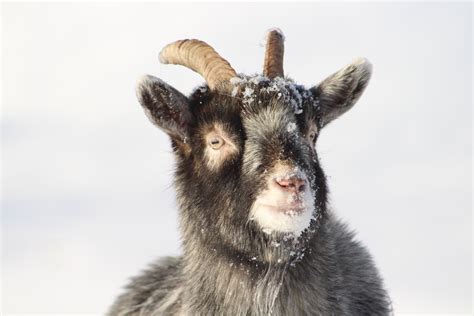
[
  {"x": 229, "y": 266},
  {"x": 338, "y": 277}
]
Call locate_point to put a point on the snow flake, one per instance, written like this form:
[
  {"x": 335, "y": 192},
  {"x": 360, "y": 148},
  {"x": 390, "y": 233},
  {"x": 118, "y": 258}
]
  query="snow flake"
[
  {"x": 248, "y": 96},
  {"x": 235, "y": 90},
  {"x": 291, "y": 127}
]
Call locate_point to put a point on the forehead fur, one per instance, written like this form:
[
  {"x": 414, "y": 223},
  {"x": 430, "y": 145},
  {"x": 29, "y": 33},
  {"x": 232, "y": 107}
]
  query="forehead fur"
[{"x": 250, "y": 95}]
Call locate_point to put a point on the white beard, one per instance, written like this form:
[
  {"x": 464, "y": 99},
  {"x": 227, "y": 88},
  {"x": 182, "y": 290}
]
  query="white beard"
[{"x": 271, "y": 213}]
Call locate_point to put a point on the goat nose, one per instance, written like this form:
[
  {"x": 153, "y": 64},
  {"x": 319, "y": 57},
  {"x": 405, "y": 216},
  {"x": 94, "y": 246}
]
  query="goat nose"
[{"x": 291, "y": 184}]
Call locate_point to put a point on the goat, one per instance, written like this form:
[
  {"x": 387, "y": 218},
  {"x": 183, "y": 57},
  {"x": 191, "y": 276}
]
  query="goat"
[{"x": 258, "y": 235}]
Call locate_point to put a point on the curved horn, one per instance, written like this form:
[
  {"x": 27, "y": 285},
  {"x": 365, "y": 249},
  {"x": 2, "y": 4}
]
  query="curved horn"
[
  {"x": 200, "y": 57},
  {"x": 274, "y": 50}
]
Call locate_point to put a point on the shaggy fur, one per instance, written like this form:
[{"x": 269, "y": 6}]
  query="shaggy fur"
[{"x": 230, "y": 266}]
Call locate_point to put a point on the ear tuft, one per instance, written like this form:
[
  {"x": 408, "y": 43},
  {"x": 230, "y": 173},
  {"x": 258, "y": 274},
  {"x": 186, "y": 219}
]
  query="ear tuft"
[
  {"x": 340, "y": 91},
  {"x": 165, "y": 106},
  {"x": 143, "y": 87},
  {"x": 363, "y": 64}
]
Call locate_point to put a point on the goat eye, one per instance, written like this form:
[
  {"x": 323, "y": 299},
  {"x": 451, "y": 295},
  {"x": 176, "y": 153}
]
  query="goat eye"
[{"x": 216, "y": 142}]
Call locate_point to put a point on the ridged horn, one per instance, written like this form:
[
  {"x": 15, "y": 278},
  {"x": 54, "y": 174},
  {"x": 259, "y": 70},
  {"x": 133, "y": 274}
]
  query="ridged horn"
[
  {"x": 274, "y": 51},
  {"x": 200, "y": 57}
]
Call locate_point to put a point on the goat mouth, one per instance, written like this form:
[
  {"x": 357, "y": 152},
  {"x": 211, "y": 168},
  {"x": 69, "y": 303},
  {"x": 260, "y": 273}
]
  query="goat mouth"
[{"x": 293, "y": 209}]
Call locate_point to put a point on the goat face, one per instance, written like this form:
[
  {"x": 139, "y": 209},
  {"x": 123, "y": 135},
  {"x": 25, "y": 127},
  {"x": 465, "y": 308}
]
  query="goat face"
[{"x": 248, "y": 178}]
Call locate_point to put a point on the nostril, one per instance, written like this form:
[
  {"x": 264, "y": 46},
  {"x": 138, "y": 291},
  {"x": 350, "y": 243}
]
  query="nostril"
[
  {"x": 300, "y": 186},
  {"x": 291, "y": 184}
]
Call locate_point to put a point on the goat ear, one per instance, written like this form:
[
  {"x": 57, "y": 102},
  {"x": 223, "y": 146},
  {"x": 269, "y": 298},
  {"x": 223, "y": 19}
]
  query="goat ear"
[
  {"x": 340, "y": 91},
  {"x": 165, "y": 106}
]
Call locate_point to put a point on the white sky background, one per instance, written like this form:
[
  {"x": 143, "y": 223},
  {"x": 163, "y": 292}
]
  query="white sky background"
[{"x": 87, "y": 197}]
